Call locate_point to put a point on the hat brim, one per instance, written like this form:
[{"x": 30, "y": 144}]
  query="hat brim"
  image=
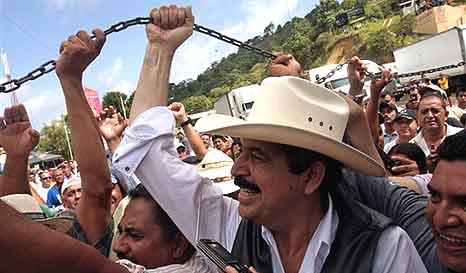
[
  {"x": 350, "y": 157},
  {"x": 60, "y": 223},
  {"x": 227, "y": 187}
]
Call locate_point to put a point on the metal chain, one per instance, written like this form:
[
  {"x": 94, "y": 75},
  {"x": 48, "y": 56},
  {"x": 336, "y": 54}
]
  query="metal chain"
[
  {"x": 332, "y": 72},
  {"x": 49, "y": 66},
  {"x": 395, "y": 75}
]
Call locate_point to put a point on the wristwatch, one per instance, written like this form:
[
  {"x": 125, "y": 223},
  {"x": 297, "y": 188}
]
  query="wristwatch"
[{"x": 188, "y": 121}]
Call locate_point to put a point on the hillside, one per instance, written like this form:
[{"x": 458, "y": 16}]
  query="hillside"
[{"x": 314, "y": 40}]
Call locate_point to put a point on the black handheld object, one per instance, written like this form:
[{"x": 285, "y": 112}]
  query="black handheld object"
[{"x": 220, "y": 256}]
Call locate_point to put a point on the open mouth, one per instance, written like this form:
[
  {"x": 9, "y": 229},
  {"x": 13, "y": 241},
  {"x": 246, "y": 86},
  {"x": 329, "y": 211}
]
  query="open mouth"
[
  {"x": 450, "y": 242},
  {"x": 246, "y": 186}
]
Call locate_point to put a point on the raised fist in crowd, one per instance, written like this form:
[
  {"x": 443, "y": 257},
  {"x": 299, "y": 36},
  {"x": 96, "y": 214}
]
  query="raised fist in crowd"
[
  {"x": 77, "y": 52},
  {"x": 171, "y": 26},
  {"x": 111, "y": 124},
  {"x": 178, "y": 111},
  {"x": 16, "y": 134},
  {"x": 356, "y": 76},
  {"x": 285, "y": 65}
]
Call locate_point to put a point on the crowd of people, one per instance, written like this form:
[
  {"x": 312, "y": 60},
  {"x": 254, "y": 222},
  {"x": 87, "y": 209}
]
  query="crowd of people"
[{"x": 312, "y": 181}]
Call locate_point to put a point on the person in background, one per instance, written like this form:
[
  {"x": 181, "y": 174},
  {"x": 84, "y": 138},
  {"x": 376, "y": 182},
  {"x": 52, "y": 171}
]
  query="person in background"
[
  {"x": 389, "y": 113},
  {"x": 221, "y": 143},
  {"x": 431, "y": 117},
  {"x": 414, "y": 98},
  {"x": 54, "y": 194},
  {"x": 236, "y": 148},
  {"x": 405, "y": 126},
  {"x": 206, "y": 139},
  {"x": 460, "y": 109}
]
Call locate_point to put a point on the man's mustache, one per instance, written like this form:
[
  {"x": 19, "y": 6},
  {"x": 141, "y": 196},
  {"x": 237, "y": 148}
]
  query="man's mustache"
[{"x": 245, "y": 184}]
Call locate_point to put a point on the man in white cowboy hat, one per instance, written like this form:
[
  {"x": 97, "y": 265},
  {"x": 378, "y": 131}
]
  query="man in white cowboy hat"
[
  {"x": 216, "y": 166},
  {"x": 290, "y": 217}
]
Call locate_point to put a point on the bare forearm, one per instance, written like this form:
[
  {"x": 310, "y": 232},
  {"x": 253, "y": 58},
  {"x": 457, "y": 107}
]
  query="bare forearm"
[
  {"x": 93, "y": 211},
  {"x": 195, "y": 140},
  {"x": 372, "y": 116},
  {"x": 360, "y": 138},
  {"x": 14, "y": 179},
  {"x": 152, "y": 88},
  {"x": 29, "y": 247},
  {"x": 88, "y": 147}
]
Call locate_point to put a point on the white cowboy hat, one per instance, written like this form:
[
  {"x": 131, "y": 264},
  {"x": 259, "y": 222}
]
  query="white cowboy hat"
[
  {"x": 216, "y": 166},
  {"x": 28, "y": 206},
  {"x": 293, "y": 111}
]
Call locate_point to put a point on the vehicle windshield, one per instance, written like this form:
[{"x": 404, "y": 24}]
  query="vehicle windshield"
[
  {"x": 339, "y": 83},
  {"x": 248, "y": 105}
]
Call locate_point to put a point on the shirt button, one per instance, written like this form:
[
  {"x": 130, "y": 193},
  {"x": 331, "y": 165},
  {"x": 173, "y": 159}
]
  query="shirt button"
[{"x": 127, "y": 169}]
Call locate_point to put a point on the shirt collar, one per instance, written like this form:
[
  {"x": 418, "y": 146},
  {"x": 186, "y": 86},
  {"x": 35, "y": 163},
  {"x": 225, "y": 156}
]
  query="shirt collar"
[{"x": 320, "y": 243}]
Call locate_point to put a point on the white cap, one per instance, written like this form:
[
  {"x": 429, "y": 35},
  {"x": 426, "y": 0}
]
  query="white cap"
[{"x": 74, "y": 181}]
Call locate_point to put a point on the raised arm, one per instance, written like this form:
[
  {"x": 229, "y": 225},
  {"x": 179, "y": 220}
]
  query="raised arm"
[
  {"x": 93, "y": 210},
  {"x": 355, "y": 77},
  {"x": 193, "y": 136},
  {"x": 373, "y": 104},
  {"x": 171, "y": 27},
  {"x": 147, "y": 153},
  {"x": 18, "y": 139}
]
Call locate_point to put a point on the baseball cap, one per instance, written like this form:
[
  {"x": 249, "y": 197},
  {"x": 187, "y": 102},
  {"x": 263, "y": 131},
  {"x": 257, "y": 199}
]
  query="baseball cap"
[
  {"x": 385, "y": 104},
  {"x": 407, "y": 114}
]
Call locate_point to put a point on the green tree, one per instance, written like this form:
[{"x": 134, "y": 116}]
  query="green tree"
[
  {"x": 113, "y": 99},
  {"x": 53, "y": 139},
  {"x": 218, "y": 91},
  {"x": 381, "y": 44},
  {"x": 404, "y": 26},
  {"x": 373, "y": 11},
  {"x": 197, "y": 104},
  {"x": 269, "y": 29}
]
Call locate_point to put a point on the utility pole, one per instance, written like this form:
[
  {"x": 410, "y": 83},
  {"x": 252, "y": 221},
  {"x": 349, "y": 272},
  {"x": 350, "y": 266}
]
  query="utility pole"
[{"x": 6, "y": 69}]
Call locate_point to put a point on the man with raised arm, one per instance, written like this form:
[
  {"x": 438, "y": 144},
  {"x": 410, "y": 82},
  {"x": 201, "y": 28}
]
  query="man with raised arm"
[{"x": 291, "y": 162}]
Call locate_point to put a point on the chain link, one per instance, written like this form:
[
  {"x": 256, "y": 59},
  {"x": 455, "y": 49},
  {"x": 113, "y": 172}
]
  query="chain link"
[
  {"x": 49, "y": 66},
  {"x": 395, "y": 75},
  {"x": 332, "y": 72}
]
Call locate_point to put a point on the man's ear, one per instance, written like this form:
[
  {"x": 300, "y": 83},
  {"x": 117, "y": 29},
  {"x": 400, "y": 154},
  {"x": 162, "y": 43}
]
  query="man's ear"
[
  {"x": 180, "y": 246},
  {"x": 314, "y": 176}
]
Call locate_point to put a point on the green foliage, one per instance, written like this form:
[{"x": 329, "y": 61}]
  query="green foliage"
[
  {"x": 52, "y": 139},
  {"x": 373, "y": 12},
  {"x": 381, "y": 44},
  {"x": 312, "y": 40},
  {"x": 113, "y": 99},
  {"x": 218, "y": 91},
  {"x": 269, "y": 29},
  {"x": 404, "y": 26},
  {"x": 197, "y": 104}
]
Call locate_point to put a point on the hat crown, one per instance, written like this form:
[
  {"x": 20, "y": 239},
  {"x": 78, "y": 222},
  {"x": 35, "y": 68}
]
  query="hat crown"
[
  {"x": 292, "y": 102},
  {"x": 23, "y": 203}
]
